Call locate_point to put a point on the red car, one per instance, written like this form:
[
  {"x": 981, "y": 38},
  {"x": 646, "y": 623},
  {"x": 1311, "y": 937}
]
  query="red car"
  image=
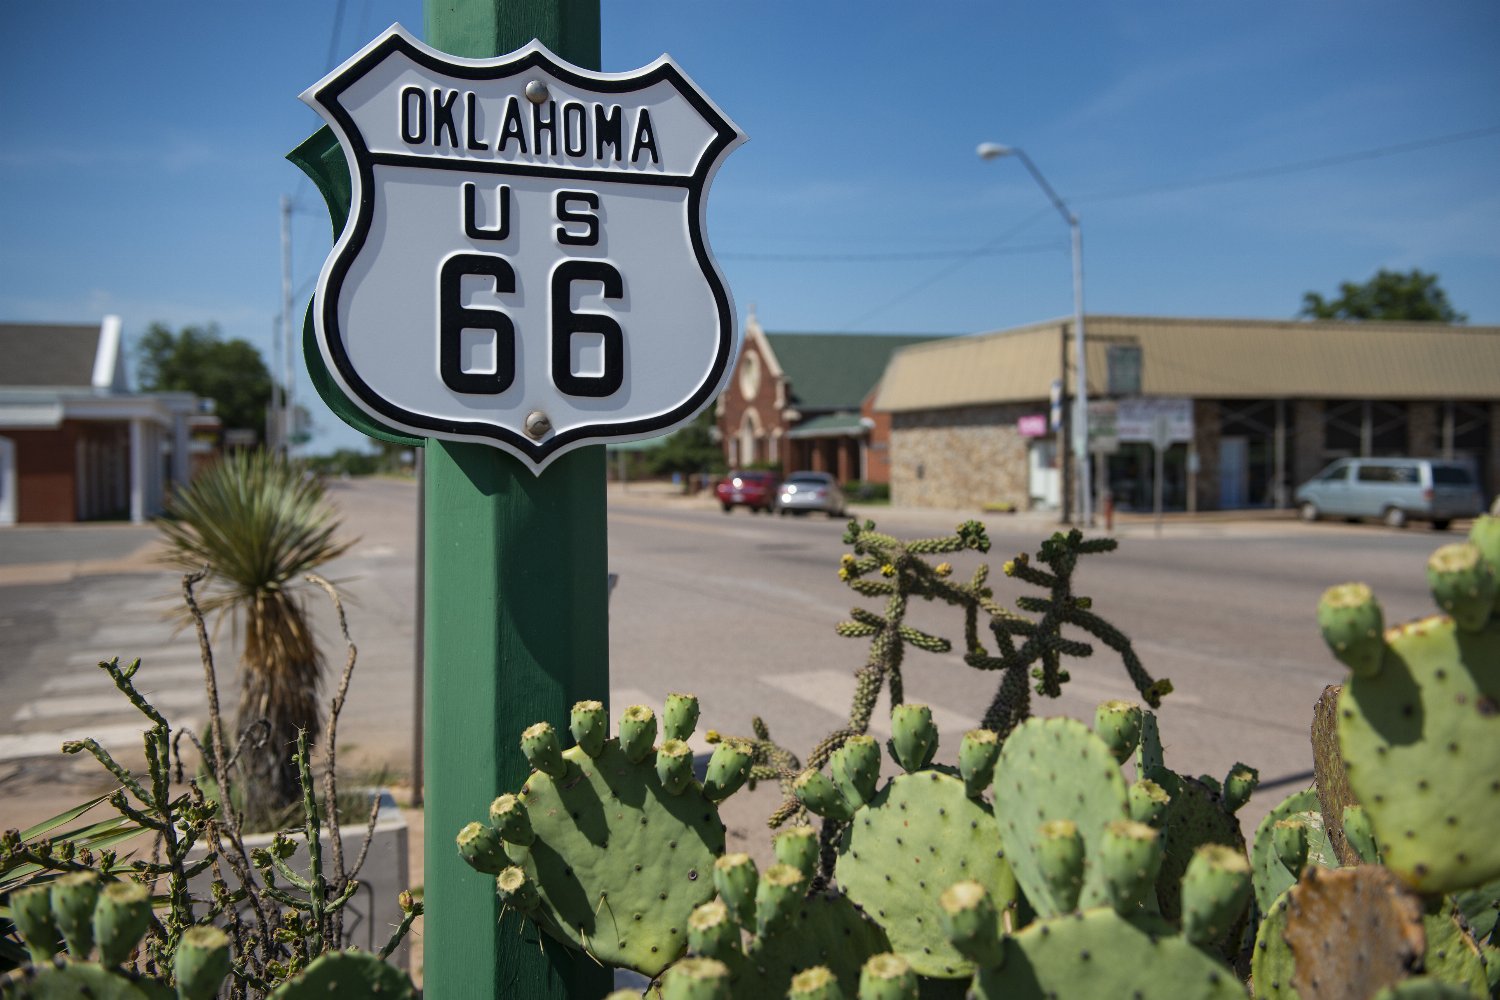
[{"x": 756, "y": 490}]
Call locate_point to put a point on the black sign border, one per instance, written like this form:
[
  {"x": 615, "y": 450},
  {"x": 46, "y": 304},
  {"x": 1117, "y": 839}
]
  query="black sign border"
[{"x": 537, "y": 452}]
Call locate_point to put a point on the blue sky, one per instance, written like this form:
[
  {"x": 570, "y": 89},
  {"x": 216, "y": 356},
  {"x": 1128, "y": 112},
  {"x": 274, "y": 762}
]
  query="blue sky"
[{"x": 142, "y": 158}]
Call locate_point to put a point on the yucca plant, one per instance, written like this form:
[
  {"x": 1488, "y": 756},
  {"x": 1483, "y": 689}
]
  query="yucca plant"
[{"x": 260, "y": 526}]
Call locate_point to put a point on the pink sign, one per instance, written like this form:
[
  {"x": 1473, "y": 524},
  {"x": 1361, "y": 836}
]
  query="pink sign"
[{"x": 1033, "y": 425}]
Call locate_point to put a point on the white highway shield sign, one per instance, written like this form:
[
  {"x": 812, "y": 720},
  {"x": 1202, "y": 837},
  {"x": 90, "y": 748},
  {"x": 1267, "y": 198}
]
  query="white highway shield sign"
[{"x": 525, "y": 263}]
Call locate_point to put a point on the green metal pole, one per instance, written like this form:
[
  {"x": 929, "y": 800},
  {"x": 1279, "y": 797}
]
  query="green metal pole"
[{"x": 516, "y": 616}]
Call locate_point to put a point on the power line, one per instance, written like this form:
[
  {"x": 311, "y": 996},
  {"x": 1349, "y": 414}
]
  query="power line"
[
  {"x": 943, "y": 272},
  {"x": 1296, "y": 166},
  {"x": 983, "y": 251}
]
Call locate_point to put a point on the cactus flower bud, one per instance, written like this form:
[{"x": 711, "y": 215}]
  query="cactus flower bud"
[
  {"x": 1239, "y": 784},
  {"x": 121, "y": 917},
  {"x": 515, "y": 889},
  {"x": 589, "y": 723},
  {"x": 976, "y": 760},
  {"x": 637, "y": 732},
  {"x": 816, "y": 983},
  {"x": 1462, "y": 584},
  {"x": 201, "y": 962},
  {"x": 1129, "y": 858},
  {"x": 509, "y": 816},
  {"x": 539, "y": 744},
  {"x": 31, "y": 912},
  {"x": 887, "y": 976},
  {"x": 481, "y": 847},
  {"x": 1059, "y": 852},
  {"x": 1118, "y": 724},
  {"x": 781, "y": 889},
  {"x": 1353, "y": 627},
  {"x": 798, "y": 847},
  {"x": 728, "y": 769},
  {"x": 1215, "y": 889},
  {"x": 855, "y": 768},
  {"x": 735, "y": 878},
  {"x": 914, "y": 738},
  {"x": 696, "y": 979},
  {"x": 712, "y": 931},
  {"x": 674, "y": 766},
  {"x": 818, "y": 794},
  {"x": 970, "y": 920},
  {"x": 73, "y": 899},
  {"x": 679, "y": 716},
  {"x": 1148, "y": 802}
]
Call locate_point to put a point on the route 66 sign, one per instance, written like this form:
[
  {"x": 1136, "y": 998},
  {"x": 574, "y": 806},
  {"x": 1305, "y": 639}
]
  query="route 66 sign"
[{"x": 525, "y": 263}]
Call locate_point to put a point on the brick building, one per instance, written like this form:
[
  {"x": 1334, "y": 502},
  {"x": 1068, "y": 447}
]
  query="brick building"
[
  {"x": 802, "y": 401},
  {"x": 75, "y": 443},
  {"x": 1271, "y": 403}
]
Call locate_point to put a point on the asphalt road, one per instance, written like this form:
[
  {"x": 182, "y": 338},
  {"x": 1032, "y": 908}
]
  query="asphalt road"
[{"x": 739, "y": 609}]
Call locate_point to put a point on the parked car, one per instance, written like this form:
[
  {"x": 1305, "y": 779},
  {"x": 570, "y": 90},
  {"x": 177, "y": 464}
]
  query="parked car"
[
  {"x": 1395, "y": 490},
  {"x": 756, "y": 490},
  {"x": 805, "y": 491}
]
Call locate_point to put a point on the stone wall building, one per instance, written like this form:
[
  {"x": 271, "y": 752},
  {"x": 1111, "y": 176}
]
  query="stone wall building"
[{"x": 1272, "y": 402}]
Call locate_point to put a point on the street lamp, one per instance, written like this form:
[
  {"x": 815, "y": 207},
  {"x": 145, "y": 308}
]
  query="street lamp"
[{"x": 993, "y": 151}]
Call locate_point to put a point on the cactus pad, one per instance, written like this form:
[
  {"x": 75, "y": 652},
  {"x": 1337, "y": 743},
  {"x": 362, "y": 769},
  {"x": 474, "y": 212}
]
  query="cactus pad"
[
  {"x": 1272, "y": 964},
  {"x": 822, "y": 929},
  {"x": 81, "y": 979},
  {"x": 616, "y": 859},
  {"x": 1098, "y": 953},
  {"x": 1451, "y": 954},
  {"x": 917, "y": 836},
  {"x": 1195, "y": 818},
  {"x": 1421, "y": 744},
  {"x": 1269, "y": 875},
  {"x": 1055, "y": 769},
  {"x": 1351, "y": 932},
  {"x": 351, "y": 974}
]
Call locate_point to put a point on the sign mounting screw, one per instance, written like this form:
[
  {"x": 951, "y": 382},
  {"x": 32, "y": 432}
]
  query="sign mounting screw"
[
  {"x": 536, "y": 91},
  {"x": 537, "y": 425}
]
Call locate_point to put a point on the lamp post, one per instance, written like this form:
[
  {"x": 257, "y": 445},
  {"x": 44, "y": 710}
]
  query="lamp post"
[{"x": 1080, "y": 435}]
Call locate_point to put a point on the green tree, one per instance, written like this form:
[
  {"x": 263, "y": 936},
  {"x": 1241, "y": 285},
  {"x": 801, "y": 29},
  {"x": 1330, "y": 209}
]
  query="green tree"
[
  {"x": 1390, "y": 295},
  {"x": 196, "y": 359},
  {"x": 692, "y": 449}
]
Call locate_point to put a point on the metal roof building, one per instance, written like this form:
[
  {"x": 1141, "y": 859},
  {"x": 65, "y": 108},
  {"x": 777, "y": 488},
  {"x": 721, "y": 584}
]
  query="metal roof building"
[{"x": 1271, "y": 403}]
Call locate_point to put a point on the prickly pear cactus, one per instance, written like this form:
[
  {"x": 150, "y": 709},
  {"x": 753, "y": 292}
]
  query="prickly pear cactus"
[
  {"x": 907, "y": 842},
  {"x": 1419, "y": 728},
  {"x": 610, "y": 846},
  {"x": 1055, "y": 771},
  {"x": 1281, "y": 851},
  {"x": 1200, "y": 812},
  {"x": 79, "y": 979},
  {"x": 1351, "y": 932},
  {"x": 774, "y": 929},
  {"x": 1096, "y": 953},
  {"x": 355, "y": 975}
]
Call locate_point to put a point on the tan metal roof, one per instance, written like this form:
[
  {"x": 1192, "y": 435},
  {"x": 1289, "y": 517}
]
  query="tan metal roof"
[{"x": 1206, "y": 359}]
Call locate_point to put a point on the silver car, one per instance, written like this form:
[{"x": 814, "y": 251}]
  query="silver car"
[
  {"x": 1395, "y": 490},
  {"x": 805, "y": 491}
]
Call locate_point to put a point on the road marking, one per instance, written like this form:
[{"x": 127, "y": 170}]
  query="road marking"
[
  {"x": 123, "y": 735},
  {"x": 153, "y": 675},
  {"x": 105, "y": 703}
]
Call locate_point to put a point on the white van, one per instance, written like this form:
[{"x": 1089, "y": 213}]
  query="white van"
[{"x": 1394, "y": 490}]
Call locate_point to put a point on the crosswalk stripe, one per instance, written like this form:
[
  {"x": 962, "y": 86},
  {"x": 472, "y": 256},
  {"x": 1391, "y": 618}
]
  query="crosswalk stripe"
[
  {"x": 105, "y": 703},
  {"x": 113, "y": 737},
  {"x": 151, "y": 676}
]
